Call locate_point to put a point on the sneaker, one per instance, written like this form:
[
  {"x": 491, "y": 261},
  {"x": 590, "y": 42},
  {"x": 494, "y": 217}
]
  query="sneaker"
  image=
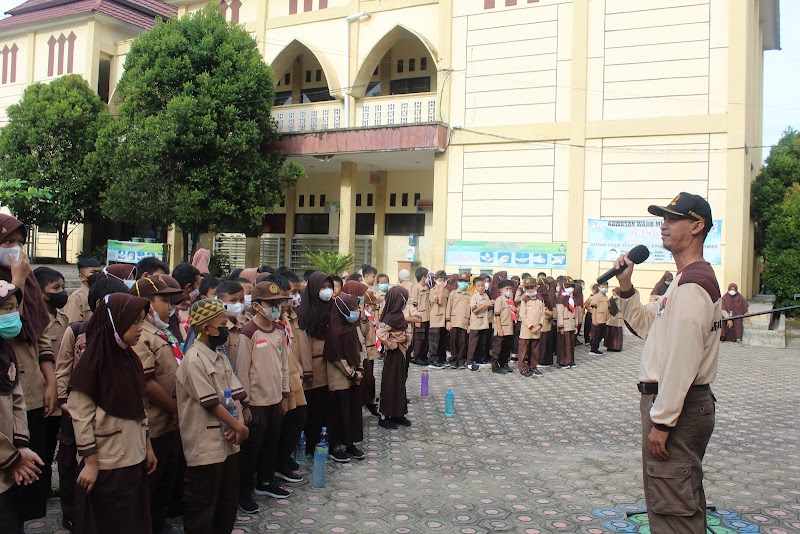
[
  {"x": 387, "y": 424},
  {"x": 355, "y": 452},
  {"x": 248, "y": 506},
  {"x": 563, "y": 366},
  {"x": 419, "y": 361},
  {"x": 401, "y": 421},
  {"x": 373, "y": 409},
  {"x": 293, "y": 466},
  {"x": 288, "y": 476},
  {"x": 462, "y": 366},
  {"x": 573, "y": 366},
  {"x": 270, "y": 489},
  {"x": 475, "y": 367},
  {"x": 436, "y": 365},
  {"x": 506, "y": 369},
  {"x": 339, "y": 455},
  {"x": 537, "y": 373},
  {"x": 498, "y": 370},
  {"x": 595, "y": 353},
  {"x": 528, "y": 373}
]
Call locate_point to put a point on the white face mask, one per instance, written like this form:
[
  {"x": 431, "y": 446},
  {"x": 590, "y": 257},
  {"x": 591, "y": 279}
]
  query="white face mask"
[
  {"x": 569, "y": 290},
  {"x": 172, "y": 310},
  {"x": 295, "y": 300},
  {"x": 507, "y": 294},
  {"x": 732, "y": 292},
  {"x": 12, "y": 252},
  {"x": 234, "y": 310},
  {"x": 248, "y": 299},
  {"x": 531, "y": 293},
  {"x": 325, "y": 294},
  {"x": 155, "y": 319},
  {"x": 129, "y": 283},
  {"x": 603, "y": 290},
  {"x": 273, "y": 313}
]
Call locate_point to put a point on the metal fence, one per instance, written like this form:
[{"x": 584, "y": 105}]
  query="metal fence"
[{"x": 302, "y": 245}]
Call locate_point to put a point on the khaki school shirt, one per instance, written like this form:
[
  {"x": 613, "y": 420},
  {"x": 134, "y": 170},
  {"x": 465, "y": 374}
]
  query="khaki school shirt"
[
  {"x": 503, "y": 316},
  {"x": 30, "y": 356},
  {"x": 457, "y": 312},
  {"x": 55, "y": 332},
  {"x": 420, "y": 298},
  {"x": 615, "y": 320},
  {"x": 263, "y": 364},
  {"x": 13, "y": 434},
  {"x": 69, "y": 353},
  {"x": 159, "y": 364},
  {"x": 232, "y": 345},
  {"x": 437, "y": 306},
  {"x": 117, "y": 442},
  {"x": 201, "y": 381},
  {"x": 600, "y": 313},
  {"x": 480, "y": 320},
  {"x": 681, "y": 333},
  {"x": 531, "y": 315},
  {"x": 77, "y": 308},
  {"x": 297, "y": 396},
  {"x": 309, "y": 350},
  {"x": 568, "y": 320}
]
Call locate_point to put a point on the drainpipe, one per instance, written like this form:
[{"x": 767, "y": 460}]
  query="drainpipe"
[{"x": 347, "y": 22}]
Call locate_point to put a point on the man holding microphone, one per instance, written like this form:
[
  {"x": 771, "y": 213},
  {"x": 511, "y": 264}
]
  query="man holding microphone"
[{"x": 679, "y": 362}]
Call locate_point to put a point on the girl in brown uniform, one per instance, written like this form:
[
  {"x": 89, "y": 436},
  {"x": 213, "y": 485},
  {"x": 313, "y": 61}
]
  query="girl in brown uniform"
[
  {"x": 395, "y": 339},
  {"x": 567, "y": 325},
  {"x": 613, "y": 341}
]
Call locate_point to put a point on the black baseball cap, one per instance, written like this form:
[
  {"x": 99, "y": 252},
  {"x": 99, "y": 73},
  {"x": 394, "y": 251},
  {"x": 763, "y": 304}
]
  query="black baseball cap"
[{"x": 688, "y": 206}]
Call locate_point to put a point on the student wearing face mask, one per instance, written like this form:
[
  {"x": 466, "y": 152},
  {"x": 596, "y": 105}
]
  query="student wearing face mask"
[
  {"x": 188, "y": 278},
  {"x": 247, "y": 285},
  {"x": 613, "y": 341},
  {"x": 160, "y": 353},
  {"x": 505, "y": 317},
  {"x": 77, "y": 307},
  {"x": 733, "y": 304},
  {"x": 437, "y": 333},
  {"x": 599, "y": 306},
  {"x": 420, "y": 299},
  {"x": 263, "y": 370},
  {"x": 567, "y": 325},
  {"x": 231, "y": 295},
  {"x": 531, "y": 319},
  {"x": 456, "y": 317},
  {"x": 123, "y": 272},
  {"x": 548, "y": 345},
  {"x": 343, "y": 357},
  {"x": 369, "y": 325},
  {"x": 395, "y": 338},
  {"x": 480, "y": 334},
  {"x": 661, "y": 287},
  {"x": 380, "y": 290}
]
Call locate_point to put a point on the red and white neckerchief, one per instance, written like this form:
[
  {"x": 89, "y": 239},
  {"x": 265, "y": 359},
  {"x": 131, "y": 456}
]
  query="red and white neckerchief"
[
  {"x": 571, "y": 301},
  {"x": 170, "y": 338},
  {"x": 510, "y": 302},
  {"x": 285, "y": 326}
]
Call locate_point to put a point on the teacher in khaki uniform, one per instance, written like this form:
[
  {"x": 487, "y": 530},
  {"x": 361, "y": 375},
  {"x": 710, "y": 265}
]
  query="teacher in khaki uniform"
[{"x": 679, "y": 362}]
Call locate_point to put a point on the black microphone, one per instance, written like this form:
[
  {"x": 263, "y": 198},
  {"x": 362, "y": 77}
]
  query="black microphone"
[{"x": 637, "y": 255}]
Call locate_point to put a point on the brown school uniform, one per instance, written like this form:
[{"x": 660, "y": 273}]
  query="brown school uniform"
[
  {"x": 568, "y": 322},
  {"x": 54, "y": 332},
  {"x": 295, "y": 417},
  {"x": 479, "y": 333},
  {"x": 546, "y": 342},
  {"x": 393, "y": 392},
  {"x": 77, "y": 308},
  {"x": 315, "y": 383},
  {"x": 613, "y": 341},
  {"x": 531, "y": 315},
  {"x": 504, "y": 314},
  {"x": 598, "y": 307},
  {"x": 457, "y": 314},
  {"x": 437, "y": 310},
  {"x": 369, "y": 337},
  {"x": 419, "y": 296},
  {"x": 211, "y": 483},
  {"x": 232, "y": 345},
  {"x": 13, "y": 436}
]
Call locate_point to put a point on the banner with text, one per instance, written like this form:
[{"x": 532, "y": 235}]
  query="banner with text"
[
  {"x": 610, "y": 238},
  {"x": 503, "y": 254},
  {"x": 130, "y": 252}
]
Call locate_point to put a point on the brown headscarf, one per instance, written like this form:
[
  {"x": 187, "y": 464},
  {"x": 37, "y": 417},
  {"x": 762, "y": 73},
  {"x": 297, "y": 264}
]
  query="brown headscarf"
[
  {"x": 552, "y": 297},
  {"x": 35, "y": 316},
  {"x": 357, "y": 289},
  {"x": 201, "y": 259},
  {"x": 313, "y": 314},
  {"x": 341, "y": 342},
  {"x": 452, "y": 282},
  {"x": 661, "y": 287},
  {"x": 393, "y": 306},
  {"x": 578, "y": 295},
  {"x": 494, "y": 290},
  {"x": 737, "y": 304},
  {"x": 249, "y": 274},
  {"x": 9, "y": 377},
  {"x": 120, "y": 270},
  {"x": 112, "y": 376}
]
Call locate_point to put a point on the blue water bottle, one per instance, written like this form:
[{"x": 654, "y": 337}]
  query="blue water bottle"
[
  {"x": 320, "y": 459},
  {"x": 449, "y": 403},
  {"x": 229, "y": 405},
  {"x": 300, "y": 452}
]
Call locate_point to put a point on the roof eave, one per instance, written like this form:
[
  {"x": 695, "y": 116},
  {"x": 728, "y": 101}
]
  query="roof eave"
[{"x": 770, "y": 21}]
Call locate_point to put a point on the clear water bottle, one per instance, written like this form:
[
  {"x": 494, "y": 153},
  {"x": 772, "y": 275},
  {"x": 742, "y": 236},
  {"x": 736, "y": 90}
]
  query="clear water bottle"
[
  {"x": 229, "y": 405},
  {"x": 320, "y": 459},
  {"x": 300, "y": 452},
  {"x": 323, "y": 437},
  {"x": 449, "y": 403},
  {"x": 424, "y": 383}
]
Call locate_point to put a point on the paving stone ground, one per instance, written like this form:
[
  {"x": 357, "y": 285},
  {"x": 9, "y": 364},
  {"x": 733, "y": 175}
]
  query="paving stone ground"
[{"x": 560, "y": 453}]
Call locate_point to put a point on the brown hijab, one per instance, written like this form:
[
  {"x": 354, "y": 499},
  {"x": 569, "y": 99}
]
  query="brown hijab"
[
  {"x": 662, "y": 286},
  {"x": 357, "y": 289},
  {"x": 9, "y": 369},
  {"x": 393, "y": 306},
  {"x": 313, "y": 314},
  {"x": 110, "y": 375},
  {"x": 737, "y": 304},
  {"x": 120, "y": 270},
  {"x": 35, "y": 316},
  {"x": 341, "y": 342}
]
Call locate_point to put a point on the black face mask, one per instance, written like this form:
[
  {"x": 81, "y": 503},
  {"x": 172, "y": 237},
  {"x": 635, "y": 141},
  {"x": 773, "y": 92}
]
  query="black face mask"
[
  {"x": 57, "y": 300},
  {"x": 220, "y": 339}
]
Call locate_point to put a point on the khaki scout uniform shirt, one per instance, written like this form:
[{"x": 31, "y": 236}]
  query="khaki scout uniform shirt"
[
  {"x": 69, "y": 354},
  {"x": 309, "y": 349},
  {"x": 159, "y": 364},
  {"x": 600, "y": 314},
  {"x": 297, "y": 396},
  {"x": 480, "y": 320},
  {"x": 438, "y": 306},
  {"x": 681, "y": 333},
  {"x": 30, "y": 356},
  {"x": 263, "y": 366},
  {"x": 13, "y": 434},
  {"x": 503, "y": 315},
  {"x": 77, "y": 308},
  {"x": 568, "y": 320},
  {"x": 531, "y": 314},
  {"x": 616, "y": 320},
  {"x": 234, "y": 331},
  {"x": 201, "y": 382},
  {"x": 55, "y": 332},
  {"x": 420, "y": 298},
  {"x": 457, "y": 312},
  {"x": 117, "y": 442}
]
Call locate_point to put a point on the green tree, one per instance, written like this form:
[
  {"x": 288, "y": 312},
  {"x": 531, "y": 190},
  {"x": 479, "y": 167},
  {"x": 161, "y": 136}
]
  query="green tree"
[
  {"x": 780, "y": 171},
  {"x": 193, "y": 141},
  {"x": 45, "y": 171},
  {"x": 782, "y": 269}
]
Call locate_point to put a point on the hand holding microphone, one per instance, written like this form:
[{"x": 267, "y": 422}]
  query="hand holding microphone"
[{"x": 623, "y": 267}]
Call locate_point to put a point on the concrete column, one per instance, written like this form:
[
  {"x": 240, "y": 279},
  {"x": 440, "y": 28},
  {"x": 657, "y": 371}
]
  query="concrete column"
[
  {"x": 347, "y": 215},
  {"x": 379, "y": 242},
  {"x": 291, "y": 203},
  {"x": 206, "y": 241},
  {"x": 297, "y": 80},
  {"x": 175, "y": 241},
  {"x": 252, "y": 252},
  {"x": 92, "y": 69},
  {"x": 439, "y": 228}
]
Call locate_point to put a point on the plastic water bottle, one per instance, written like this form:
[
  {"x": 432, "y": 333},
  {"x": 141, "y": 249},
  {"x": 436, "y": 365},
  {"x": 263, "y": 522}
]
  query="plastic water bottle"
[
  {"x": 323, "y": 437},
  {"x": 300, "y": 452},
  {"x": 449, "y": 403},
  {"x": 229, "y": 405},
  {"x": 424, "y": 383},
  {"x": 320, "y": 459}
]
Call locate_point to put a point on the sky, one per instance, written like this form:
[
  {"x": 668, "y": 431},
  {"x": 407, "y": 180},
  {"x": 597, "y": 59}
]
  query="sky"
[{"x": 781, "y": 74}]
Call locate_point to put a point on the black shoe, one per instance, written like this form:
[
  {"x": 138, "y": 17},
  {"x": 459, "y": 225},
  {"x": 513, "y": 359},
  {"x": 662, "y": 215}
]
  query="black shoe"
[
  {"x": 339, "y": 455},
  {"x": 506, "y": 369},
  {"x": 528, "y": 373},
  {"x": 289, "y": 477},
  {"x": 419, "y": 361},
  {"x": 498, "y": 370},
  {"x": 387, "y": 424},
  {"x": 248, "y": 505},
  {"x": 270, "y": 489},
  {"x": 436, "y": 365},
  {"x": 514, "y": 359},
  {"x": 67, "y": 524},
  {"x": 355, "y": 452},
  {"x": 373, "y": 409},
  {"x": 292, "y": 465},
  {"x": 171, "y": 529},
  {"x": 537, "y": 373},
  {"x": 462, "y": 366},
  {"x": 401, "y": 421}
]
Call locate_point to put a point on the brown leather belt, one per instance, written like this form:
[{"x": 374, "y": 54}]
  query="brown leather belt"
[{"x": 651, "y": 388}]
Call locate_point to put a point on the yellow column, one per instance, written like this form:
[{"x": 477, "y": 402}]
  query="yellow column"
[
  {"x": 297, "y": 81},
  {"x": 92, "y": 69},
  {"x": 291, "y": 203},
  {"x": 577, "y": 154},
  {"x": 347, "y": 215},
  {"x": 439, "y": 228},
  {"x": 252, "y": 252},
  {"x": 175, "y": 241},
  {"x": 206, "y": 241},
  {"x": 379, "y": 241}
]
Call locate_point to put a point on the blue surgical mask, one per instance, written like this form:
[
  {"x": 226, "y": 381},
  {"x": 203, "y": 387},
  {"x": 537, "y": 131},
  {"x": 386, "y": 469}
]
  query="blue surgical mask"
[
  {"x": 361, "y": 299},
  {"x": 353, "y": 317},
  {"x": 383, "y": 287},
  {"x": 129, "y": 283},
  {"x": 10, "y": 325},
  {"x": 463, "y": 286}
]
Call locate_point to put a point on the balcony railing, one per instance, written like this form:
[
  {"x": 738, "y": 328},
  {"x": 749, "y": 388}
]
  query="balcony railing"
[{"x": 309, "y": 117}]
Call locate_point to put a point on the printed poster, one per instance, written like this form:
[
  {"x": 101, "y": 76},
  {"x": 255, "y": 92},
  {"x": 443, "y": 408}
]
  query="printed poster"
[
  {"x": 486, "y": 254},
  {"x": 130, "y": 252}
]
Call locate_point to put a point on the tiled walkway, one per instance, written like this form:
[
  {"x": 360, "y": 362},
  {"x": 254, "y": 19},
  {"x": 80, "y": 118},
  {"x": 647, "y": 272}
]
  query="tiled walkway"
[{"x": 558, "y": 453}]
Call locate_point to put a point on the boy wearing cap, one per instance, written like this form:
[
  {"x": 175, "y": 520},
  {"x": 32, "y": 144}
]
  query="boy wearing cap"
[
  {"x": 567, "y": 325},
  {"x": 263, "y": 369},
  {"x": 479, "y": 333},
  {"x": 420, "y": 298},
  {"x": 505, "y": 317},
  {"x": 456, "y": 318},
  {"x": 598, "y": 307},
  {"x": 532, "y": 321},
  {"x": 160, "y": 353},
  {"x": 77, "y": 306},
  {"x": 211, "y": 483},
  {"x": 437, "y": 334}
]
